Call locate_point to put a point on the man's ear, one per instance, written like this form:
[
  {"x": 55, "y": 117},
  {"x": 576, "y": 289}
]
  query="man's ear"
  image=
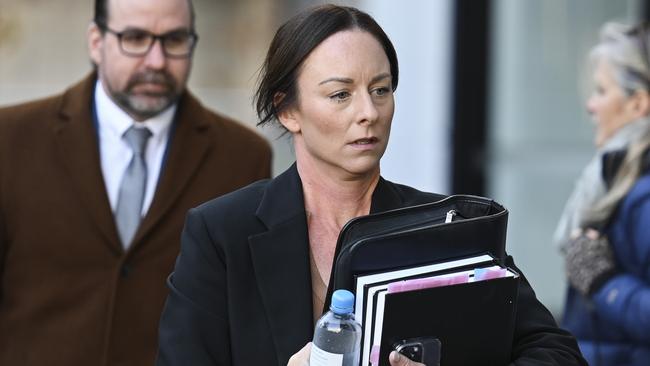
[
  {"x": 286, "y": 116},
  {"x": 95, "y": 38}
]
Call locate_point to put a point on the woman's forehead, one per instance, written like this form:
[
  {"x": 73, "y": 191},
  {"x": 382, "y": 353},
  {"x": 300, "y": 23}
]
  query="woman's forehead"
[{"x": 345, "y": 54}]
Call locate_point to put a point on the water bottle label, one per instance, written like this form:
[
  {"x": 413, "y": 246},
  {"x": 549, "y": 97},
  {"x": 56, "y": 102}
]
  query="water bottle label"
[{"x": 319, "y": 357}]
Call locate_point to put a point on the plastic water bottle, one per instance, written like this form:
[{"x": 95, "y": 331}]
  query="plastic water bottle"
[{"x": 337, "y": 336}]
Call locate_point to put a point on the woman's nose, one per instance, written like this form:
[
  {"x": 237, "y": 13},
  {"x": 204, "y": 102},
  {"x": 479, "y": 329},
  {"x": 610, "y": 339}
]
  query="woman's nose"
[
  {"x": 590, "y": 105},
  {"x": 368, "y": 112}
]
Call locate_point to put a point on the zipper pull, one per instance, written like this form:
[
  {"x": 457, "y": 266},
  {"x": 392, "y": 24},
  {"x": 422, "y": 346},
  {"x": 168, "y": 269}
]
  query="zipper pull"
[{"x": 450, "y": 216}]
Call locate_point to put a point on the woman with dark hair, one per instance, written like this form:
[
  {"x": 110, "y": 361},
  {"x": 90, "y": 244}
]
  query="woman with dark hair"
[
  {"x": 251, "y": 277},
  {"x": 605, "y": 228}
]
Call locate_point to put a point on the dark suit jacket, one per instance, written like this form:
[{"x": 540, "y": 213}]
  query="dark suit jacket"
[
  {"x": 69, "y": 294},
  {"x": 241, "y": 289}
]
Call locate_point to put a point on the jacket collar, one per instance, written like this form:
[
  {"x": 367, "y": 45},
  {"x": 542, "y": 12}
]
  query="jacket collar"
[
  {"x": 385, "y": 197},
  {"x": 283, "y": 198}
]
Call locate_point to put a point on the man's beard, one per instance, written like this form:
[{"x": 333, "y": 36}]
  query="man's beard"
[{"x": 145, "y": 105}]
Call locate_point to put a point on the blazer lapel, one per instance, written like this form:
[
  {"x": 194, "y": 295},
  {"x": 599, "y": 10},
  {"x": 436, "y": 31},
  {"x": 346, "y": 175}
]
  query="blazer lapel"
[
  {"x": 78, "y": 149},
  {"x": 188, "y": 146},
  {"x": 281, "y": 262}
]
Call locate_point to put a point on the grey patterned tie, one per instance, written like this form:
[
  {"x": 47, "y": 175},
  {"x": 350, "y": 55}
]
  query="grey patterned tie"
[{"x": 131, "y": 195}]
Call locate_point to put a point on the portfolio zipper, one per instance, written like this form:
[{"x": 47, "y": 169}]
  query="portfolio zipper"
[{"x": 450, "y": 216}]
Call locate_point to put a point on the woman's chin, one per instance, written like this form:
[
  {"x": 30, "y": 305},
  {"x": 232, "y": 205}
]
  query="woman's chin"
[{"x": 363, "y": 168}]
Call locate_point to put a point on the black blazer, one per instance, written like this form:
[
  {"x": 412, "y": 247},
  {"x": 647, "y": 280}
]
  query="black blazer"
[{"x": 241, "y": 290}]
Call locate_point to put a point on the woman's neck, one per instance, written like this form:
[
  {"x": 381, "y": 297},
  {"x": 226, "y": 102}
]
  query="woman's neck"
[{"x": 334, "y": 199}]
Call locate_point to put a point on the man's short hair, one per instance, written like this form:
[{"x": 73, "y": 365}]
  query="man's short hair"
[{"x": 101, "y": 14}]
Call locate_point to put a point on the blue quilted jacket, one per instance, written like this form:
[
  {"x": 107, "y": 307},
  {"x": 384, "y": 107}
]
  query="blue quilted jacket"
[{"x": 613, "y": 325}]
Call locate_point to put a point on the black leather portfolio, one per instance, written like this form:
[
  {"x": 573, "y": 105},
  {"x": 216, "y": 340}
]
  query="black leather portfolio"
[
  {"x": 455, "y": 227},
  {"x": 458, "y": 226}
]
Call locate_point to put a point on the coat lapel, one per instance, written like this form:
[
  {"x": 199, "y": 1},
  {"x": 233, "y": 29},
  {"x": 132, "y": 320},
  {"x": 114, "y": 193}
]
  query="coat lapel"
[
  {"x": 281, "y": 262},
  {"x": 188, "y": 147},
  {"x": 78, "y": 149}
]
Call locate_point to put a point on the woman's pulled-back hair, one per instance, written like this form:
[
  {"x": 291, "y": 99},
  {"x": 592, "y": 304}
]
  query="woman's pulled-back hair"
[
  {"x": 295, "y": 40},
  {"x": 625, "y": 49}
]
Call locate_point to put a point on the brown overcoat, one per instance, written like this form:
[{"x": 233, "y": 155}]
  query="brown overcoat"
[{"x": 69, "y": 294}]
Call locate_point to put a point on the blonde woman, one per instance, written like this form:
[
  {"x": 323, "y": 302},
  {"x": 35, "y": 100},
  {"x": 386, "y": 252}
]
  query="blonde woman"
[{"x": 605, "y": 230}]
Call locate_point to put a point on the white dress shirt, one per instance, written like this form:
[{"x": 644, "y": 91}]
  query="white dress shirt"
[{"x": 115, "y": 154}]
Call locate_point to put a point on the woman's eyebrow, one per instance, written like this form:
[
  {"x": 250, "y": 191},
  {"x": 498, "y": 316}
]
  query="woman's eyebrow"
[
  {"x": 350, "y": 81},
  {"x": 337, "y": 80}
]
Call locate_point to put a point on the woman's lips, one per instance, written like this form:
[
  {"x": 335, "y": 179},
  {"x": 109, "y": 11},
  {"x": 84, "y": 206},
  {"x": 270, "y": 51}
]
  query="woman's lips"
[{"x": 365, "y": 143}]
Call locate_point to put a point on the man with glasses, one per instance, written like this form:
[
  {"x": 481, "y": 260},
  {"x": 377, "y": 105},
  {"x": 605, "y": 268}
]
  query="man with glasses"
[{"x": 94, "y": 187}]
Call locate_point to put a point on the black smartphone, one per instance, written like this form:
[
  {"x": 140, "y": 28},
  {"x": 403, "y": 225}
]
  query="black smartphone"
[{"x": 425, "y": 350}]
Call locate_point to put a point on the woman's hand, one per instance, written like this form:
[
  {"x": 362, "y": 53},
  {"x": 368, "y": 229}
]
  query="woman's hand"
[
  {"x": 397, "y": 359},
  {"x": 589, "y": 261},
  {"x": 301, "y": 358}
]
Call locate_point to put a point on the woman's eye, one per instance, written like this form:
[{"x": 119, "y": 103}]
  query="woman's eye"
[
  {"x": 381, "y": 91},
  {"x": 340, "y": 96}
]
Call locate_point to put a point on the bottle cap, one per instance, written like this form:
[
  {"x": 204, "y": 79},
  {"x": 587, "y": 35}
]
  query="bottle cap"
[{"x": 342, "y": 302}]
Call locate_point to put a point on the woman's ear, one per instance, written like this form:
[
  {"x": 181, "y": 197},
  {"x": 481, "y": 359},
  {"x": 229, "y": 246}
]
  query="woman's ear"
[
  {"x": 287, "y": 115},
  {"x": 643, "y": 103}
]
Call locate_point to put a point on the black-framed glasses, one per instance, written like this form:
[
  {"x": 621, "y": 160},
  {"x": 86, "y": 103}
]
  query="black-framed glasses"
[{"x": 137, "y": 42}]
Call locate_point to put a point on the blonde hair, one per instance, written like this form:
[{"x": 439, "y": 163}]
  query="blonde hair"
[{"x": 625, "y": 48}]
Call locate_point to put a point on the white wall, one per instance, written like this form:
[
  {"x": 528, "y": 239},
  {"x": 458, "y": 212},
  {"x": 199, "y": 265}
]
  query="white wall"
[{"x": 418, "y": 152}]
